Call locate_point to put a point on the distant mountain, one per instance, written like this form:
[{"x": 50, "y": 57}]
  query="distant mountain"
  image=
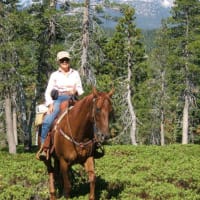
[
  {"x": 149, "y": 13},
  {"x": 146, "y": 22}
]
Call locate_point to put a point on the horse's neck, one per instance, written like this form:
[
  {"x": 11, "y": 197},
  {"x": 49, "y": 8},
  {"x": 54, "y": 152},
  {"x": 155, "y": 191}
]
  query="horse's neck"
[
  {"x": 84, "y": 107},
  {"x": 79, "y": 119}
]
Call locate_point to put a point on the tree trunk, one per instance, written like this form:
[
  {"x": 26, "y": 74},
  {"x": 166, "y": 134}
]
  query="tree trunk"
[
  {"x": 187, "y": 90},
  {"x": 31, "y": 120},
  {"x": 185, "y": 121},
  {"x": 133, "y": 117},
  {"x": 24, "y": 118},
  {"x": 9, "y": 126},
  {"x": 85, "y": 70},
  {"x": 15, "y": 125},
  {"x": 85, "y": 40},
  {"x": 52, "y": 24},
  {"x": 162, "y": 131},
  {"x": 130, "y": 105}
]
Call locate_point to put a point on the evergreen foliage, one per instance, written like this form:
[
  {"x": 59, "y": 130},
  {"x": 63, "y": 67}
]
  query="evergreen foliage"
[
  {"x": 183, "y": 30},
  {"x": 164, "y": 65},
  {"x": 172, "y": 75},
  {"x": 126, "y": 40}
]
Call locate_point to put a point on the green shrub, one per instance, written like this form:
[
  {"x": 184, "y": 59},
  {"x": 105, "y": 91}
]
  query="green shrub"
[{"x": 126, "y": 172}]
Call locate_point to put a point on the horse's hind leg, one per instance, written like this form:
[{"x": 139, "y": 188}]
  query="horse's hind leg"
[
  {"x": 58, "y": 178},
  {"x": 89, "y": 168},
  {"x": 64, "y": 168}
]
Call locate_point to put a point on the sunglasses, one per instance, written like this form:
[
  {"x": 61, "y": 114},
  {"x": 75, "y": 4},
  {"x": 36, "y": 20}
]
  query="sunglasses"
[{"x": 64, "y": 60}]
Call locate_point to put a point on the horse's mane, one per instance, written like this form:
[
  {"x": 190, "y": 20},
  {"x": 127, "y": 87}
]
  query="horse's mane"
[
  {"x": 84, "y": 100},
  {"x": 87, "y": 99}
]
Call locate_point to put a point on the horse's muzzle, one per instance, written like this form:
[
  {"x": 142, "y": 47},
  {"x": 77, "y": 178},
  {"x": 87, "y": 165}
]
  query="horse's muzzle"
[{"x": 101, "y": 137}]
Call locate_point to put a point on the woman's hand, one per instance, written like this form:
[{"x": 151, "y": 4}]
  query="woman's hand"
[
  {"x": 73, "y": 92},
  {"x": 50, "y": 109}
]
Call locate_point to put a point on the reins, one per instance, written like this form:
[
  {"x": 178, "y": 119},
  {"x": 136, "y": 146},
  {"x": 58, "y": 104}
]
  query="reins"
[
  {"x": 70, "y": 138},
  {"x": 80, "y": 144}
]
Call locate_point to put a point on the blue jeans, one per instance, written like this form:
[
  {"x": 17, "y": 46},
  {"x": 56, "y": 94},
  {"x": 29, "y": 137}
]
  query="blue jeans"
[{"x": 49, "y": 118}]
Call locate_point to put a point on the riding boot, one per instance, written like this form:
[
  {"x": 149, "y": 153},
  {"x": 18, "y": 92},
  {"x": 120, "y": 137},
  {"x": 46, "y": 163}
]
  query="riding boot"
[{"x": 42, "y": 154}]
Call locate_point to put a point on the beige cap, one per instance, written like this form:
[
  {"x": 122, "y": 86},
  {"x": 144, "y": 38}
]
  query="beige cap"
[{"x": 63, "y": 54}]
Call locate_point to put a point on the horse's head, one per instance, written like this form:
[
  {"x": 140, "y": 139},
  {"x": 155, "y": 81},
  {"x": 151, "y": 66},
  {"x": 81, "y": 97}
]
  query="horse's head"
[{"x": 102, "y": 107}]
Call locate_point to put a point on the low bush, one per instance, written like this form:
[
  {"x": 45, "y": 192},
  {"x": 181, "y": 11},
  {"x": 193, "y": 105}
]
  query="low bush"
[{"x": 126, "y": 172}]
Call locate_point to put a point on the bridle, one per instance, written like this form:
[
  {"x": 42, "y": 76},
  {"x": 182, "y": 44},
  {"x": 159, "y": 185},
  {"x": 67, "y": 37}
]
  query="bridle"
[{"x": 96, "y": 110}]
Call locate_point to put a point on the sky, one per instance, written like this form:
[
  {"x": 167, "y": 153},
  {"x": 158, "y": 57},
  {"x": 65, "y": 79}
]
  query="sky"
[
  {"x": 164, "y": 3},
  {"x": 167, "y": 3}
]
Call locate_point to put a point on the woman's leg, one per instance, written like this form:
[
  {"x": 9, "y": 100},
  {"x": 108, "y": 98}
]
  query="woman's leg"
[
  {"x": 46, "y": 125},
  {"x": 48, "y": 120}
]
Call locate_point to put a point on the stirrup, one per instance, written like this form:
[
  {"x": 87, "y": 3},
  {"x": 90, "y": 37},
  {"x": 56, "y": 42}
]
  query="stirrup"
[{"x": 42, "y": 155}]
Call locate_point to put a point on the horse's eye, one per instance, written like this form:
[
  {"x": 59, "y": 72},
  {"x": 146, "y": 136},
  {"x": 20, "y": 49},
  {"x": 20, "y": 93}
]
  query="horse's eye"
[{"x": 98, "y": 110}]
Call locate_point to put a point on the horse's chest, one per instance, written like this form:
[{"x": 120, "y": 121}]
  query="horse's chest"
[
  {"x": 81, "y": 153},
  {"x": 84, "y": 151}
]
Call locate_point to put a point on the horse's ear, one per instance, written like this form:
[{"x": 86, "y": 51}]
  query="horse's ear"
[
  {"x": 111, "y": 92},
  {"x": 94, "y": 91}
]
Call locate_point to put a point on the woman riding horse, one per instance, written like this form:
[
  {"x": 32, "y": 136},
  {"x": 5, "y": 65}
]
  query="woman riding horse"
[
  {"x": 64, "y": 83},
  {"x": 76, "y": 133}
]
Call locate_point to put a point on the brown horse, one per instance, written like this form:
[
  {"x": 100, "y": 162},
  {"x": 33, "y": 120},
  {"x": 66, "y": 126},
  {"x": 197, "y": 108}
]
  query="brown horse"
[{"x": 76, "y": 133}]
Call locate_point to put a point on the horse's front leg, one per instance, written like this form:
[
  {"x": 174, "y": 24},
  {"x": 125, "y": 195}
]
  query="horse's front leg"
[
  {"x": 89, "y": 168},
  {"x": 52, "y": 187},
  {"x": 64, "y": 168}
]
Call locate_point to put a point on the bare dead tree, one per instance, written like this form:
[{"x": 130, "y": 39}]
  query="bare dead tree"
[
  {"x": 9, "y": 125},
  {"x": 185, "y": 120},
  {"x": 85, "y": 70},
  {"x": 130, "y": 105}
]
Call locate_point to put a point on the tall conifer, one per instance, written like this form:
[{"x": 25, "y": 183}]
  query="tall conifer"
[
  {"x": 126, "y": 55},
  {"x": 183, "y": 31}
]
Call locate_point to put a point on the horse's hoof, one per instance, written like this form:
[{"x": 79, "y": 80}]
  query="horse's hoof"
[{"x": 52, "y": 198}]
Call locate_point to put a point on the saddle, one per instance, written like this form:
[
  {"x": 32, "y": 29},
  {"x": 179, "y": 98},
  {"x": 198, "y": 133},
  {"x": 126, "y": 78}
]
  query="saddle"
[{"x": 48, "y": 145}]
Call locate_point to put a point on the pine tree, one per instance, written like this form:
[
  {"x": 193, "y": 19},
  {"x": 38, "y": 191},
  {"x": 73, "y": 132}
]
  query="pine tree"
[
  {"x": 161, "y": 98},
  {"x": 8, "y": 62},
  {"x": 184, "y": 35},
  {"x": 126, "y": 55}
]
